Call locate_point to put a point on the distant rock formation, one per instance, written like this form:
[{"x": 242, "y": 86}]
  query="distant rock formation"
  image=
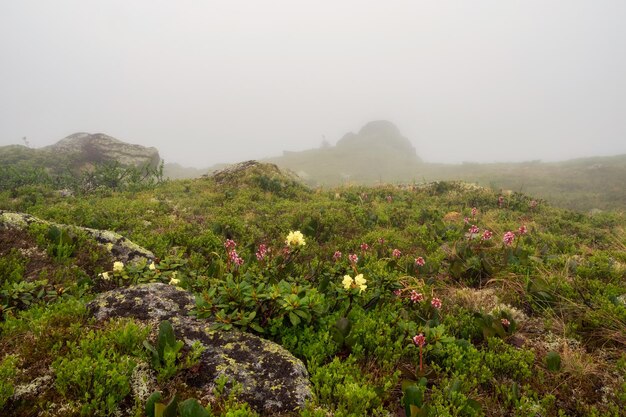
[
  {"x": 97, "y": 148},
  {"x": 380, "y": 134},
  {"x": 377, "y": 153}
]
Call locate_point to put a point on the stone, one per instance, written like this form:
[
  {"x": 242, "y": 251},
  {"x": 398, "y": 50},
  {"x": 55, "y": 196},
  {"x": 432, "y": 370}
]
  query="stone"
[
  {"x": 120, "y": 247},
  {"x": 98, "y": 147},
  {"x": 271, "y": 380}
]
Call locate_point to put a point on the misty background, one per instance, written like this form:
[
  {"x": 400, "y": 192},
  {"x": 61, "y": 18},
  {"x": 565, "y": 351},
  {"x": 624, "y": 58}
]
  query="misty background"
[{"x": 208, "y": 82}]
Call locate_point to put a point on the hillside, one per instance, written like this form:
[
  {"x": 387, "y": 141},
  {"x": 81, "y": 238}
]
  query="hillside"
[{"x": 438, "y": 299}]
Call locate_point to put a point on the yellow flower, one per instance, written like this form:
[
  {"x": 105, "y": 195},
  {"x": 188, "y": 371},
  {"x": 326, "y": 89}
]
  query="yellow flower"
[
  {"x": 118, "y": 266},
  {"x": 151, "y": 267},
  {"x": 360, "y": 282},
  {"x": 109, "y": 246},
  {"x": 174, "y": 281},
  {"x": 105, "y": 276},
  {"x": 347, "y": 282},
  {"x": 295, "y": 239}
]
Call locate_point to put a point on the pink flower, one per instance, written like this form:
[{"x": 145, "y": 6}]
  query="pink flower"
[
  {"x": 389, "y": 199},
  {"x": 473, "y": 230},
  {"x": 234, "y": 257},
  {"x": 364, "y": 247},
  {"x": 474, "y": 212},
  {"x": 466, "y": 220},
  {"x": 381, "y": 240},
  {"x": 522, "y": 230},
  {"x": 230, "y": 244},
  {"x": 436, "y": 303},
  {"x": 533, "y": 204},
  {"x": 396, "y": 253},
  {"x": 262, "y": 252},
  {"x": 336, "y": 256},
  {"x": 397, "y": 293},
  {"x": 508, "y": 238},
  {"x": 500, "y": 201},
  {"x": 416, "y": 297},
  {"x": 505, "y": 322},
  {"x": 487, "y": 235},
  {"x": 419, "y": 261},
  {"x": 353, "y": 258},
  {"x": 419, "y": 340}
]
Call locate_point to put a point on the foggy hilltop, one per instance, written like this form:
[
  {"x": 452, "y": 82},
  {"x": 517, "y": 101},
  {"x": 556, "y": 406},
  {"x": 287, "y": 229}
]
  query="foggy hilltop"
[{"x": 377, "y": 153}]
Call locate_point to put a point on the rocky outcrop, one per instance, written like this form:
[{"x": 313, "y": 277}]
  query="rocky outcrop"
[
  {"x": 121, "y": 248},
  {"x": 271, "y": 379},
  {"x": 380, "y": 134},
  {"x": 97, "y": 148}
]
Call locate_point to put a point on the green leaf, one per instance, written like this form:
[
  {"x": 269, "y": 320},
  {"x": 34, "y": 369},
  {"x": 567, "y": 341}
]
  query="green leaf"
[
  {"x": 192, "y": 408},
  {"x": 171, "y": 408},
  {"x": 150, "y": 404},
  {"x": 295, "y": 320},
  {"x": 166, "y": 336},
  {"x": 154, "y": 355}
]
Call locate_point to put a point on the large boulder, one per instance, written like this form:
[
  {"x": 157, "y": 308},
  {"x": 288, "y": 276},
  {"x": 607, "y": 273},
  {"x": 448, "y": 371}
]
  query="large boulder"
[
  {"x": 272, "y": 380},
  {"x": 120, "y": 247},
  {"x": 98, "y": 148}
]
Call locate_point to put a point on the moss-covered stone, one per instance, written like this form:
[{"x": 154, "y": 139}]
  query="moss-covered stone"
[{"x": 121, "y": 248}]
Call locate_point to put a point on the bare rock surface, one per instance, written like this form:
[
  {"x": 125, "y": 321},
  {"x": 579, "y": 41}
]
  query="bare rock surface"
[{"x": 272, "y": 380}]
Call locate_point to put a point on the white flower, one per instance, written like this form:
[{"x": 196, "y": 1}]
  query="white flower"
[{"x": 118, "y": 266}]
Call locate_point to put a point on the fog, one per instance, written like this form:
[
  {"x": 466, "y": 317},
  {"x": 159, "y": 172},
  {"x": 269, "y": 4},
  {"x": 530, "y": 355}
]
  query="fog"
[{"x": 224, "y": 81}]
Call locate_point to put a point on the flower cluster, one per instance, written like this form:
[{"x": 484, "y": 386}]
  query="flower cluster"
[
  {"x": 295, "y": 238},
  {"x": 508, "y": 238},
  {"x": 436, "y": 303},
  {"x": 487, "y": 235},
  {"x": 522, "y": 230},
  {"x": 364, "y": 247},
  {"x": 337, "y": 255},
  {"x": 118, "y": 266},
  {"x": 419, "y": 340},
  {"x": 261, "y": 253},
  {"x": 356, "y": 282},
  {"x": 505, "y": 322},
  {"x": 235, "y": 258},
  {"x": 473, "y": 230},
  {"x": 416, "y": 297},
  {"x": 353, "y": 258},
  {"x": 419, "y": 261},
  {"x": 500, "y": 201},
  {"x": 230, "y": 245},
  {"x": 396, "y": 253},
  {"x": 474, "y": 212}
]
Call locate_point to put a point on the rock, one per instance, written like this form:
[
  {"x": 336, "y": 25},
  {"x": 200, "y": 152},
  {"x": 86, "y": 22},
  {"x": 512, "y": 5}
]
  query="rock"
[
  {"x": 98, "y": 147},
  {"x": 121, "y": 248},
  {"x": 272, "y": 380}
]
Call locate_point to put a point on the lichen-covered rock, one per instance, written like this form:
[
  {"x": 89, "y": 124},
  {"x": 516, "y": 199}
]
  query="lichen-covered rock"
[
  {"x": 121, "y": 248},
  {"x": 270, "y": 378},
  {"x": 148, "y": 302}
]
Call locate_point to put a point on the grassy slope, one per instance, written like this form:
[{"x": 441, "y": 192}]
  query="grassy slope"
[{"x": 559, "y": 286}]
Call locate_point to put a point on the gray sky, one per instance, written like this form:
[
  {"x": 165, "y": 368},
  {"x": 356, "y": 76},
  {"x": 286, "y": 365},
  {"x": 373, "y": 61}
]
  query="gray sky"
[{"x": 223, "y": 81}]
